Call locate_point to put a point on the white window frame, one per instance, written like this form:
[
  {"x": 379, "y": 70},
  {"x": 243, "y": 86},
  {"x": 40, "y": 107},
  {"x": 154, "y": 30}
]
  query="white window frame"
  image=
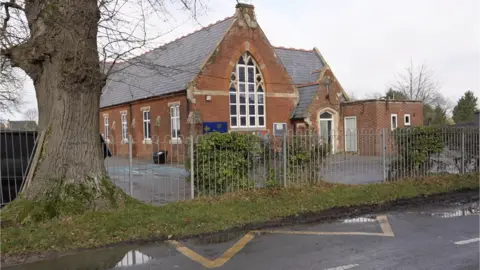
[
  {"x": 345, "y": 131},
  {"x": 391, "y": 122},
  {"x": 332, "y": 130},
  {"x": 283, "y": 125},
  {"x": 234, "y": 91},
  {"x": 124, "y": 124},
  {"x": 175, "y": 121},
  {"x": 147, "y": 139},
  {"x": 409, "y": 120},
  {"x": 106, "y": 128}
]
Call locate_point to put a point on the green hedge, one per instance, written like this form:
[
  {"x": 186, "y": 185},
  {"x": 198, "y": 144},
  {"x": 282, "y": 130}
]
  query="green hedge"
[
  {"x": 415, "y": 147},
  {"x": 222, "y": 162}
]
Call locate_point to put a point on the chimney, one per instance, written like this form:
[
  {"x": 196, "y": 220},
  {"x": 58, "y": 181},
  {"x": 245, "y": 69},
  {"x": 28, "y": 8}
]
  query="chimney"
[{"x": 246, "y": 15}]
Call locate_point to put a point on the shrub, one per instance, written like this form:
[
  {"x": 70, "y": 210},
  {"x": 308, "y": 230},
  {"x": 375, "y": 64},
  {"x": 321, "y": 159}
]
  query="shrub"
[
  {"x": 415, "y": 147},
  {"x": 222, "y": 162},
  {"x": 305, "y": 157}
]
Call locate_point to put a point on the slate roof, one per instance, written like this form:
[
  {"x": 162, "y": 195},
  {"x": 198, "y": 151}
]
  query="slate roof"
[
  {"x": 22, "y": 125},
  {"x": 167, "y": 69},
  {"x": 306, "y": 95},
  {"x": 300, "y": 64}
]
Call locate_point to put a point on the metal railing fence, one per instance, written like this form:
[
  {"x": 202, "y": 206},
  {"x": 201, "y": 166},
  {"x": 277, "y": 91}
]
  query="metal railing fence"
[{"x": 163, "y": 170}]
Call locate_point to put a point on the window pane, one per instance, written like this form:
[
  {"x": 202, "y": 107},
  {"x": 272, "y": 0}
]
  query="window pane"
[
  {"x": 233, "y": 98},
  {"x": 243, "y": 121},
  {"x": 242, "y": 87},
  {"x": 260, "y": 110},
  {"x": 233, "y": 76},
  {"x": 242, "y": 98},
  {"x": 251, "y": 87},
  {"x": 243, "y": 109},
  {"x": 241, "y": 74},
  {"x": 174, "y": 124},
  {"x": 252, "y": 121},
  {"x": 232, "y": 89},
  {"x": 233, "y": 121},
  {"x": 256, "y": 70},
  {"x": 260, "y": 99},
  {"x": 251, "y": 98},
  {"x": 251, "y": 109},
  {"x": 233, "y": 110},
  {"x": 250, "y": 75},
  {"x": 240, "y": 61},
  {"x": 250, "y": 62},
  {"x": 260, "y": 88},
  {"x": 261, "y": 121}
]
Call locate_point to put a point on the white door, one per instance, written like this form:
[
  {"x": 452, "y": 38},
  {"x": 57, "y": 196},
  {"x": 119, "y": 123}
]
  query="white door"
[
  {"x": 327, "y": 130},
  {"x": 350, "y": 134}
]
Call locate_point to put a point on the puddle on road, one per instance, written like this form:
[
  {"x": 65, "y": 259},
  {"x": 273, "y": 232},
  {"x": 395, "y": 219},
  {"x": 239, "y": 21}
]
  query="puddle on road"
[
  {"x": 111, "y": 258},
  {"x": 361, "y": 219},
  {"x": 132, "y": 258},
  {"x": 464, "y": 210}
]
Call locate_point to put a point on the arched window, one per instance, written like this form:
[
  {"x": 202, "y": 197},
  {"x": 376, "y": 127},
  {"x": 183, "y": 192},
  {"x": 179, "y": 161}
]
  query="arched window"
[{"x": 247, "y": 94}]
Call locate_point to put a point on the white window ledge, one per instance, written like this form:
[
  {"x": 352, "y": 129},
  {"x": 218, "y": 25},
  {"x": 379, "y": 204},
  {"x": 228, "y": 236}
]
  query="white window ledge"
[
  {"x": 248, "y": 128},
  {"x": 147, "y": 141},
  {"x": 176, "y": 141}
]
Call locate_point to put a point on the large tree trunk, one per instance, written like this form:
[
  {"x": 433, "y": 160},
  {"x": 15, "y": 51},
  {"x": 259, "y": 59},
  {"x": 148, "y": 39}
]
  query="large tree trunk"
[{"x": 62, "y": 59}]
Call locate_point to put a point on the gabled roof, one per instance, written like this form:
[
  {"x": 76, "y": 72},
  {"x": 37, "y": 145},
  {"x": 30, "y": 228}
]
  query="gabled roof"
[
  {"x": 306, "y": 95},
  {"x": 167, "y": 69},
  {"x": 301, "y": 65}
]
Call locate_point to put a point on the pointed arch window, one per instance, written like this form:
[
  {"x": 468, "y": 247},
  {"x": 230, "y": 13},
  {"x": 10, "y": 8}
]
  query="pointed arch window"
[{"x": 247, "y": 94}]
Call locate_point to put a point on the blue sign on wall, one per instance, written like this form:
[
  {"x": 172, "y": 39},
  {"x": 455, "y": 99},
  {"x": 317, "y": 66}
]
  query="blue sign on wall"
[{"x": 221, "y": 127}]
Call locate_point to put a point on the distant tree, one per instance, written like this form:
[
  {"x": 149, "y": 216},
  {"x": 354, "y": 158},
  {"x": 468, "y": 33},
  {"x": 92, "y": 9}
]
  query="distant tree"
[
  {"x": 416, "y": 83},
  {"x": 464, "y": 111},
  {"x": 440, "y": 116},
  {"x": 434, "y": 116},
  {"x": 396, "y": 95},
  {"x": 31, "y": 115},
  {"x": 11, "y": 84}
]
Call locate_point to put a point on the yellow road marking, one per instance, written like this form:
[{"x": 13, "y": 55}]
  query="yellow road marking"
[
  {"x": 319, "y": 233},
  {"x": 225, "y": 257},
  {"x": 384, "y": 225}
]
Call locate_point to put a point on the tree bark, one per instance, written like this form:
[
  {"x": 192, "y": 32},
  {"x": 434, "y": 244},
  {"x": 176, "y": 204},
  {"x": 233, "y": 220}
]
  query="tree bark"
[{"x": 62, "y": 59}]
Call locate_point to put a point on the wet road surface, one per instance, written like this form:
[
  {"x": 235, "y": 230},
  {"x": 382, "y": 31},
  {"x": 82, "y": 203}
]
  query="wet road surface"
[{"x": 428, "y": 238}]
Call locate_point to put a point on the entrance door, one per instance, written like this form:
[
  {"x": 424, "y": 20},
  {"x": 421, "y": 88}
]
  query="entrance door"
[
  {"x": 350, "y": 134},
  {"x": 326, "y": 130}
]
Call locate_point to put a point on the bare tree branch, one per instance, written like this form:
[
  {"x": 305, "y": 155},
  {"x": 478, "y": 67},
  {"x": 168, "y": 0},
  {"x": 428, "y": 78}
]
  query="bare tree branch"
[
  {"x": 31, "y": 114},
  {"x": 417, "y": 83}
]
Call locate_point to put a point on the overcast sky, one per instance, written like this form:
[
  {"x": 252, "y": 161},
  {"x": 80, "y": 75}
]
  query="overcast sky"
[{"x": 365, "y": 42}]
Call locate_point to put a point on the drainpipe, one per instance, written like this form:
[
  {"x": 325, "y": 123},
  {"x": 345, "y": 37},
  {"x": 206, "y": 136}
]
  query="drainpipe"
[{"x": 130, "y": 126}]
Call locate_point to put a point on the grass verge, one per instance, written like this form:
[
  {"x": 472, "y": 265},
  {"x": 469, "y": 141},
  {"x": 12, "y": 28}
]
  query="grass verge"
[{"x": 138, "y": 221}]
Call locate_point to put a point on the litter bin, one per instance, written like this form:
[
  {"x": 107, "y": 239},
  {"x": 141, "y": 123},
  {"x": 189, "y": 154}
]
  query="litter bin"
[{"x": 160, "y": 157}]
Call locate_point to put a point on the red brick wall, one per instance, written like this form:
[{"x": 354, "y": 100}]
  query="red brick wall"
[
  {"x": 373, "y": 116},
  {"x": 330, "y": 101},
  {"x": 161, "y": 138},
  {"x": 215, "y": 77}
]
